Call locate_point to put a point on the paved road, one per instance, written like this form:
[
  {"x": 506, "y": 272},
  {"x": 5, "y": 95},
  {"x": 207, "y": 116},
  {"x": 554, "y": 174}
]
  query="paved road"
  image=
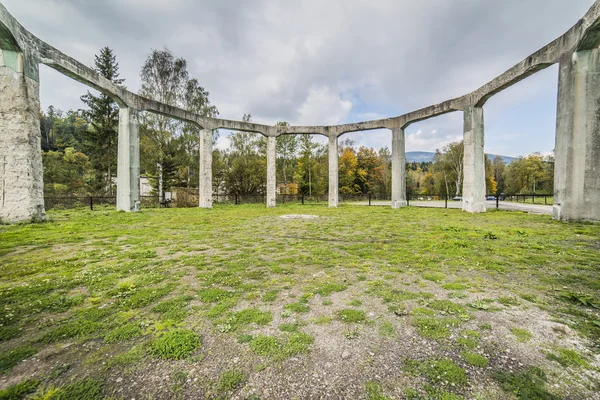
[{"x": 503, "y": 205}]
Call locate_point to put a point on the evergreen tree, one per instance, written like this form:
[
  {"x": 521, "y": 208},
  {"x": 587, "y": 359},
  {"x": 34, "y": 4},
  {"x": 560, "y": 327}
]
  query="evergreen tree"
[{"x": 103, "y": 115}]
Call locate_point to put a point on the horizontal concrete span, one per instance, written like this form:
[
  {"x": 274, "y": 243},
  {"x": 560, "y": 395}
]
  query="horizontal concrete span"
[{"x": 22, "y": 52}]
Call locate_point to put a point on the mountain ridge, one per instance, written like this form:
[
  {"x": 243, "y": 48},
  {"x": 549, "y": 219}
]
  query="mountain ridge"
[{"x": 427, "y": 156}]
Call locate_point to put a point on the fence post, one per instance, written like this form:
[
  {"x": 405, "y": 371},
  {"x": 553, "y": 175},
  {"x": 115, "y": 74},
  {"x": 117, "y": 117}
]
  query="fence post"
[
  {"x": 446, "y": 201},
  {"x": 545, "y": 200},
  {"x": 369, "y": 198},
  {"x": 236, "y": 200},
  {"x": 302, "y": 198},
  {"x": 91, "y": 203},
  {"x": 408, "y": 199},
  {"x": 497, "y": 203}
]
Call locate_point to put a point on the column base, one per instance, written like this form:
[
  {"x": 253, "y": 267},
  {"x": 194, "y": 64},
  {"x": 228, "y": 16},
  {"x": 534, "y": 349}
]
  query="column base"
[
  {"x": 399, "y": 204},
  {"x": 471, "y": 206}
]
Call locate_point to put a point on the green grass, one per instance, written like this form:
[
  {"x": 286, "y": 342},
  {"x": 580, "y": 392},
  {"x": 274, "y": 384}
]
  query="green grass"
[
  {"x": 231, "y": 380},
  {"x": 108, "y": 288},
  {"x": 176, "y": 345},
  {"x": 20, "y": 390},
  {"x": 474, "y": 359},
  {"x": 522, "y": 335},
  {"x": 15, "y": 356},
  {"x": 525, "y": 385},
  {"x": 351, "y": 316},
  {"x": 443, "y": 371},
  {"x": 125, "y": 332},
  {"x": 281, "y": 348},
  {"x": 435, "y": 327},
  {"x": 374, "y": 391},
  {"x": 89, "y": 389},
  {"x": 568, "y": 358}
]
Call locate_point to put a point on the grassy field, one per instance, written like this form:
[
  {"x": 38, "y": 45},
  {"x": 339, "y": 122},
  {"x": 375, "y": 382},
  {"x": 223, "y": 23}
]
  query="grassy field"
[{"x": 359, "y": 303}]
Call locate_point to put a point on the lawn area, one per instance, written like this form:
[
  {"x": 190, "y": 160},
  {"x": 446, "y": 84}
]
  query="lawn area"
[{"x": 359, "y": 303}]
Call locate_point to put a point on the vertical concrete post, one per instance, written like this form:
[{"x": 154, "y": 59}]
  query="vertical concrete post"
[
  {"x": 128, "y": 160},
  {"x": 271, "y": 172},
  {"x": 577, "y": 150},
  {"x": 21, "y": 173},
  {"x": 398, "y": 168},
  {"x": 205, "y": 175},
  {"x": 474, "y": 161},
  {"x": 333, "y": 170}
]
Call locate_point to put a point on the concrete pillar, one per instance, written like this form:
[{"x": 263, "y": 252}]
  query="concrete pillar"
[
  {"x": 333, "y": 171},
  {"x": 474, "y": 162},
  {"x": 271, "y": 172},
  {"x": 398, "y": 168},
  {"x": 21, "y": 172},
  {"x": 205, "y": 176},
  {"x": 577, "y": 150},
  {"x": 128, "y": 160}
]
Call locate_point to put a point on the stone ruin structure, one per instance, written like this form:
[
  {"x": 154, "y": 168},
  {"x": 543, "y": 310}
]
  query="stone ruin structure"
[{"x": 577, "y": 152}]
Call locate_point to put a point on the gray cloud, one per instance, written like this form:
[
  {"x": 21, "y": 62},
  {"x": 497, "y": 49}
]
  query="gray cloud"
[{"x": 308, "y": 61}]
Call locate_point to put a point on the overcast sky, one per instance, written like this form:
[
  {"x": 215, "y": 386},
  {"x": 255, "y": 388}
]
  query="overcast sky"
[{"x": 327, "y": 61}]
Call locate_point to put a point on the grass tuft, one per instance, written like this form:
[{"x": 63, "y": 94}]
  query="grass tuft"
[{"x": 176, "y": 345}]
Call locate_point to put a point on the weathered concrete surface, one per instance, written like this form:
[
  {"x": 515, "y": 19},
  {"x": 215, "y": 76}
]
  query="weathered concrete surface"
[
  {"x": 205, "y": 177},
  {"x": 333, "y": 171},
  {"x": 398, "y": 168},
  {"x": 128, "y": 160},
  {"x": 577, "y": 151},
  {"x": 474, "y": 161},
  {"x": 21, "y": 173},
  {"x": 271, "y": 173}
]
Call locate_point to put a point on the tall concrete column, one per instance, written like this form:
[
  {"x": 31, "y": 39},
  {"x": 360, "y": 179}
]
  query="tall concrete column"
[
  {"x": 205, "y": 177},
  {"x": 128, "y": 160},
  {"x": 271, "y": 172},
  {"x": 474, "y": 162},
  {"x": 398, "y": 168},
  {"x": 577, "y": 151},
  {"x": 333, "y": 171},
  {"x": 21, "y": 173}
]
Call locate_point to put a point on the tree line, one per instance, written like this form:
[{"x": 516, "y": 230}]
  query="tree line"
[{"x": 80, "y": 149}]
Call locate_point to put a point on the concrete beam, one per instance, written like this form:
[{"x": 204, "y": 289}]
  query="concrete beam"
[
  {"x": 205, "y": 175},
  {"x": 271, "y": 172},
  {"x": 21, "y": 173},
  {"x": 398, "y": 168},
  {"x": 474, "y": 161},
  {"x": 333, "y": 171},
  {"x": 128, "y": 160},
  {"x": 577, "y": 151}
]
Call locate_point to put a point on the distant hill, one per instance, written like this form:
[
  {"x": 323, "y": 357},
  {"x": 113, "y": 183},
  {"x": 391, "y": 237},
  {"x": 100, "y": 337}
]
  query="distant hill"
[{"x": 427, "y": 156}]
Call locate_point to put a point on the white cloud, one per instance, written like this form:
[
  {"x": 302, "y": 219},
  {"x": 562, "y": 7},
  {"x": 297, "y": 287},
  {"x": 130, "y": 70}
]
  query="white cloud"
[
  {"x": 323, "y": 107},
  {"x": 312, "y": 61}
]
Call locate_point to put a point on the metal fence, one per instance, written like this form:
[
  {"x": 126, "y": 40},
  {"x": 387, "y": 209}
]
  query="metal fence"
[
  {"x": 191, "y": 200},
  {"x": 94, "y": 202}
]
